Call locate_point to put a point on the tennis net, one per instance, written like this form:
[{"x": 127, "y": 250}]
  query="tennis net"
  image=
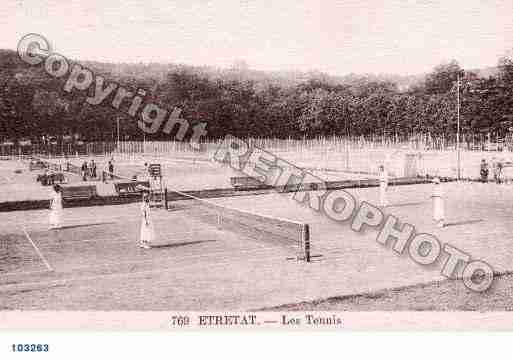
[{"x": 273, "y": 230}]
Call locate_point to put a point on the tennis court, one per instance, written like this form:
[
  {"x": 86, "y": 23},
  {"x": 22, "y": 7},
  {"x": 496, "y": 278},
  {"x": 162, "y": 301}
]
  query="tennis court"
[{"x": 97, "y": 265}]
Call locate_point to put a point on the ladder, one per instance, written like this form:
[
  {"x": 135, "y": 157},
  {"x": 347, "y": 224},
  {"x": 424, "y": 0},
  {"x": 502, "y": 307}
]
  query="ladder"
[
  {"x": 156, "y": 186},
  {"x": 156, "y": 193}
]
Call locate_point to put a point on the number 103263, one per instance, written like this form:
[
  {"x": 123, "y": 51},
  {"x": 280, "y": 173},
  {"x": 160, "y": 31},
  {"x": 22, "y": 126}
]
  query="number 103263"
[{"x": 30, "y": 348}]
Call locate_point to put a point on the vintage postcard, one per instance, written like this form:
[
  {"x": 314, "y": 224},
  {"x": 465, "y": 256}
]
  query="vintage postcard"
[{"x": 270, "y": 165}]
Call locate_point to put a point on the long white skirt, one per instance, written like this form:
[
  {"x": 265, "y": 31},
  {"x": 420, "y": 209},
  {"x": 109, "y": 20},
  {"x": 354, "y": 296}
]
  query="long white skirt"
[
  {"x": 147, "y": 232},
  {"x": 438, "y": 209},
  {"x": 383, "y": 195},
  {"x": 55, "y": 218}
]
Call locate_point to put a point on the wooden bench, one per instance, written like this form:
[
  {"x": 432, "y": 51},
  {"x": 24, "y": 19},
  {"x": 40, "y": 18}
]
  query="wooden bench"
[
  {"x": 130, "y": 188},
  {"x": 78, "y": 192},
  {"x": 50, "y": 179},
  {"x": 111, "y": 176},
  {"x": 37, "y": 165},
  {"x": 73, "y": 169},
  {"x": 248, "y": 183}
]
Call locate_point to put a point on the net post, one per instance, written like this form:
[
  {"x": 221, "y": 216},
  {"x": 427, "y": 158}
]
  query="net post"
[
  {"x": 306, "y": 242},
  {"x": 165, "y": 199}
]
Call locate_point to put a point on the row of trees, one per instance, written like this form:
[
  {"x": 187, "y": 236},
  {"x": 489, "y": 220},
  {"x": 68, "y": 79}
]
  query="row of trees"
[{"x": 34, "y": 106}]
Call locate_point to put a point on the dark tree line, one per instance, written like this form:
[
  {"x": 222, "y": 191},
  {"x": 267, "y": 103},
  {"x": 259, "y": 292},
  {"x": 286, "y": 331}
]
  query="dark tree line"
[{"x": 34, "y": 106}]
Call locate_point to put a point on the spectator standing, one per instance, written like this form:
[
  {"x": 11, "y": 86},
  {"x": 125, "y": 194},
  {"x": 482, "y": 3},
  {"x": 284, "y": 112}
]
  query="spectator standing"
[
  {"x": 111, "y": 169},
  {"x": 499, "y": 171},
  {"x": 93, "y": 169},
  {"x": 484, "y": 171},
  {"x": 105, "y": 172},
  {"x": 84, "y": 171},
  {"x": 495, "y": 172}
]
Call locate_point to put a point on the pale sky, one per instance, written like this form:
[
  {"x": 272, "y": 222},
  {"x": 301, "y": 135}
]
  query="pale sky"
[{"x": 338, "y": 37}]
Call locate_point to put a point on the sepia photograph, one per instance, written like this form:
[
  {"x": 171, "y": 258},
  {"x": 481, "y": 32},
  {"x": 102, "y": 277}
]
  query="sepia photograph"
[{"x": 341, "y": 165}]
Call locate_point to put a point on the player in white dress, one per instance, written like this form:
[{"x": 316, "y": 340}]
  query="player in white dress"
[
  {"x": 56, "y": 211},
  {"x": 438, "y": 203},
  {"x": 383, "y": 186},
  {"x": 147, "y": 235}
]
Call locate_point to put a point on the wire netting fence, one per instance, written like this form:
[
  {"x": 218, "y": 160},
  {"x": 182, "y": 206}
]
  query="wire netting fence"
[{"x": 435, "y": 154}]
